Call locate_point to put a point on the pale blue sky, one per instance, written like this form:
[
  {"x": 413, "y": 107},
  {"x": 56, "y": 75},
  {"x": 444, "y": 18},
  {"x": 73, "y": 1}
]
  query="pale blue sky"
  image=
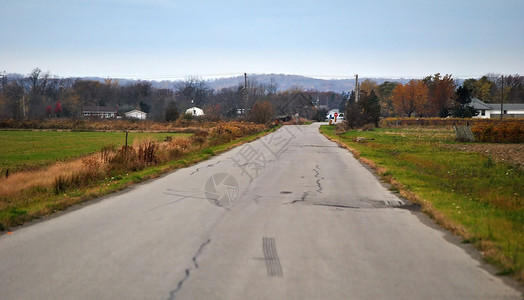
[{"x": 172, "y": 39}]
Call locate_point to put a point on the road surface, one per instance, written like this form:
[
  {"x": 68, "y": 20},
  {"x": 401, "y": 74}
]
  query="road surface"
[{"x": 289, "y": 216}]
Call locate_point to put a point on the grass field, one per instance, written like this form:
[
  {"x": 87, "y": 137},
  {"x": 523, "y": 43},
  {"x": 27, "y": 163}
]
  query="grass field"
[
  {"x": 466, "y": 192},
  {"x": 27, "y": 149}
]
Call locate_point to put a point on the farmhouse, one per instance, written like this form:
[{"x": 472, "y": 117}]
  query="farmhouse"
[
  {"x": 492, "y": 110},
  {"x": 103, "y": 112},
  {"x": 136, "y": 114}
]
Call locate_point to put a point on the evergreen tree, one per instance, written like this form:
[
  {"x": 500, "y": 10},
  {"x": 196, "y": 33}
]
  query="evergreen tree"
[
  {"x": 366, "y": 111},
  {"x": 171, "y": 112},
  {"x": 462, "y": 108}
]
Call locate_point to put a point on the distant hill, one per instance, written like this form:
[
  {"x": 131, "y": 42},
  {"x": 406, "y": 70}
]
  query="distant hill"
[{"x": 286, "y": 82}]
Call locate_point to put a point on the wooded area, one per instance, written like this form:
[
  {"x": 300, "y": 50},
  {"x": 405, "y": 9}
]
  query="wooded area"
[{"x": 42, "y": 95}]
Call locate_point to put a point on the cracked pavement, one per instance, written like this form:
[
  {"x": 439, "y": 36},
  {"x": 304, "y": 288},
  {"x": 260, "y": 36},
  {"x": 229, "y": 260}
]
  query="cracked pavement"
[{"x": 308, "y": 221}]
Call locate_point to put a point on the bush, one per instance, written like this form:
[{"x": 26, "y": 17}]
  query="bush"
[
  {"x": 262, "y": 112},
  {"x": 499, "y": 132},
  {"x": 340, "y": 128},
  {"x": 368, "y": 127}
]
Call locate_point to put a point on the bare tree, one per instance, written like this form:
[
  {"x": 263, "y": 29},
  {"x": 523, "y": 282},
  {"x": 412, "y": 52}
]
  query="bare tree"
[
  {"x": 193, "y": 90},
  {"x": 14, "y": 94},
  {"x": 35, "y": 85}
]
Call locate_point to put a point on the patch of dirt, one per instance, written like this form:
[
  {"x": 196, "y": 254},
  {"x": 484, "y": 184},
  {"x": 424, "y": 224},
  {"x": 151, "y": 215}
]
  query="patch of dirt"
[{"x": 509, "y": 153}]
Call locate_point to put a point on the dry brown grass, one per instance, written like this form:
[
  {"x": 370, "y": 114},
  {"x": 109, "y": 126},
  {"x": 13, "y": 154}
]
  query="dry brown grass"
[{"x": 45, "y": 177}]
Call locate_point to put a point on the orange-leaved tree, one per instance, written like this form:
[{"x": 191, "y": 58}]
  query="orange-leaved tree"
[
  {"x": 441, "y": 95},
  {"x": 409, "y": 98}
]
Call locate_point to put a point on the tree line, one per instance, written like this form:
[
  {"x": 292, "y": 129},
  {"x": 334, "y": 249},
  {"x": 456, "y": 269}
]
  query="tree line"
[
  {"x": 42, "y": 95},
  {"x": 432, "y": 96}
]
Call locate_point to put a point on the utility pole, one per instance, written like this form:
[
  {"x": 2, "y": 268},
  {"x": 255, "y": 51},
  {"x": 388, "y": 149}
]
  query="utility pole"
[
  {"x": 247, "y": 94},
  {"x": 501, "y": 97},
  {"x": 357, "y": 92}
]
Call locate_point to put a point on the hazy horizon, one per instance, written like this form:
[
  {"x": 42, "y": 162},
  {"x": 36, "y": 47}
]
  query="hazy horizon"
[{"x": 164, "y": 39}]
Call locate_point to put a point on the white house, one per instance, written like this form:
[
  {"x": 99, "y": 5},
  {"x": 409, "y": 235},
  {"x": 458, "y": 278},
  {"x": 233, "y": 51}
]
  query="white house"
[
  {"x": 195, "y": 111},
  {"x": 136, "y": 114},
  {"x": 492, "y": 110}
]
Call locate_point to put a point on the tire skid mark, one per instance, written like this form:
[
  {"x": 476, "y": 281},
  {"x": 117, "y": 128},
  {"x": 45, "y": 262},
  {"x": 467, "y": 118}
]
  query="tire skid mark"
[{"x": 274, "y": 269}]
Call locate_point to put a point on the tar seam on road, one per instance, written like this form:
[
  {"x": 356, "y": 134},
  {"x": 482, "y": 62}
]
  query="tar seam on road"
[
  {"x": 319, "y": 178},
  {"x": 208, "y": 166},
  {"x": 188, "y": 271},
  {"x": 274, "y": 269},
  {"x": 299, "y": 200}
]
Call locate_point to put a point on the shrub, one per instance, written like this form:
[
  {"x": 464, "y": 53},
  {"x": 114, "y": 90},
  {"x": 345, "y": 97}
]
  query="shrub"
[
  {"x": 368, "y": 127},
  {"x": 199, "y": 138},
  {"x": 261, "y": 112},
  {"x": 177, "y": 147},
  {"x": 341, "y": 128},
  {"x": 499, "y": 132}
]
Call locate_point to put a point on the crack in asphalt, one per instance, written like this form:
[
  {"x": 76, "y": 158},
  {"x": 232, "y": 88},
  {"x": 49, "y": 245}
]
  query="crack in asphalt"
[
  {"x": 208, "y": 166},
  {"x": 319, "y": 178},
  {"x": 299, "y": 200},
  {"x": 171, "y": 192},
  {"x": 172, "y": 294}
]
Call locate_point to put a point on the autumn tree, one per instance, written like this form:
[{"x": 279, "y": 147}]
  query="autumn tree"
[
  {"x": 409, "y": 98},
  {"x": 58, "y": 109},
  {"x": 89, "y": 91},
  {"x": 385, "y": 91},
  {"x": 480, "y": 88},
  {"x": 441, "y": 95},
  {"x": 368, "y": 85},
  {"x": 261, "y": 112},
  {"x": 72, "y": 104},
  {"x": 48, "y": 111}
]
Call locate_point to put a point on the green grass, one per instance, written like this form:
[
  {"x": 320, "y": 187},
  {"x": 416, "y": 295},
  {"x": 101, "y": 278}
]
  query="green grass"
[
  {"x": 27, "y": 149},
  {"x": 465, "y": 191}
]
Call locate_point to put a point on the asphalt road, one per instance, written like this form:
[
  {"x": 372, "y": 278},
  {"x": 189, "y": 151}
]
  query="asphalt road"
[{"x": 289, "y": 216}]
